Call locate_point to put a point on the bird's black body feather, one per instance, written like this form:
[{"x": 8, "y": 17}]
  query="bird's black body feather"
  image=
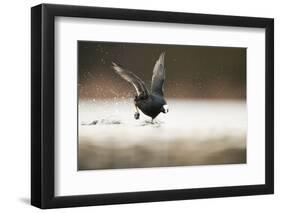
[{"x": 150, "y": 103}]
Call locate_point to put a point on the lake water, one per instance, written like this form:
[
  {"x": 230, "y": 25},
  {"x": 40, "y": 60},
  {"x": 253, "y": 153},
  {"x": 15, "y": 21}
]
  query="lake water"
[{"x": 194, "y": 132}]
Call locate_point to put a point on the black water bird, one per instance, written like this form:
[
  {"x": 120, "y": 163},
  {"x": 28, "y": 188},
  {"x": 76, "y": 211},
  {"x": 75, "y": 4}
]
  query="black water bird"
[{"x": 152, "y": 102}]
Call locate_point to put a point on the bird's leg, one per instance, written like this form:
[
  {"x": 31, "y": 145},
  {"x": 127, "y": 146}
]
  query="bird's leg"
[
  {"x": 137, "y": 114},
  {"x": 152, "y": 120},
  {"x": 136, "y": 108}
]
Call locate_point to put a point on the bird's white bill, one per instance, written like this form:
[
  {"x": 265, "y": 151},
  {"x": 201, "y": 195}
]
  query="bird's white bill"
[{"x": 166, "y": 108}]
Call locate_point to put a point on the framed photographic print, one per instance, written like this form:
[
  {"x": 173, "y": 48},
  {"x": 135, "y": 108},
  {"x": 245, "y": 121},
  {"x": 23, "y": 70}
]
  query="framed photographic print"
[{"x": 140, "y": 106}]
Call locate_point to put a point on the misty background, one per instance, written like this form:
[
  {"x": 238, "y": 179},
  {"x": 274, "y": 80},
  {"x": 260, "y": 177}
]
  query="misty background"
[{"x": 191, "y": 71}]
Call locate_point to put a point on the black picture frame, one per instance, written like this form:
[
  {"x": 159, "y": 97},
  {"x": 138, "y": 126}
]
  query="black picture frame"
[{"x": 43, "y": 102}]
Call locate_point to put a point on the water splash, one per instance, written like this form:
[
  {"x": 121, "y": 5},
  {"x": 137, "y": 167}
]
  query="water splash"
[{"x": 102, "y": 122}]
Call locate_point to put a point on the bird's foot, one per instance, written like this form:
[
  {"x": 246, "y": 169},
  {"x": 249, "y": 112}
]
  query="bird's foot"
[{"x": 137, "y": 115}]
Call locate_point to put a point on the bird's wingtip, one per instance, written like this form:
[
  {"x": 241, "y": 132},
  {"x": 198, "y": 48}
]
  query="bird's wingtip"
[
  {"x": 115, "y": 67},
  {"x": 162, "y": 56}
]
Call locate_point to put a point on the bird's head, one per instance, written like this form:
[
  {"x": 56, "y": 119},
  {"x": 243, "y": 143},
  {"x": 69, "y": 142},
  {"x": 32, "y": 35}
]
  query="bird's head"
[{"x": 165, "y": 108}]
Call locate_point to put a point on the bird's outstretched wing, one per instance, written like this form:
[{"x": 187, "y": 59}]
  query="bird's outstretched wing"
[
  {"x": 131, "y": 78},
  {"x": 158, "y": 77}
]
